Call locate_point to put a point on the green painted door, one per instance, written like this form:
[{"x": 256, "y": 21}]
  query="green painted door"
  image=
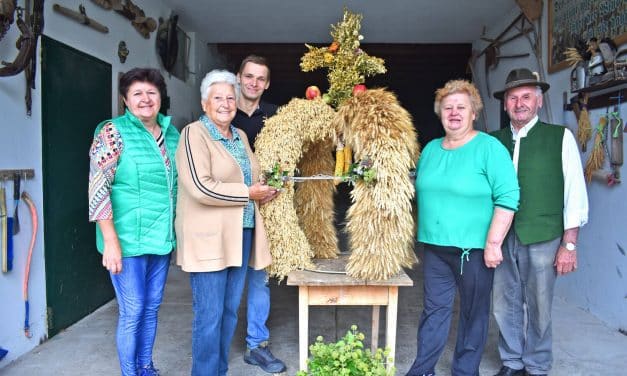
[{"x": 76, "y": 96}]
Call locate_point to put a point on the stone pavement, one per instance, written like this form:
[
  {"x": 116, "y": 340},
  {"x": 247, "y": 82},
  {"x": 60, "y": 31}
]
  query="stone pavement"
[{"x": 583, "y": 345}]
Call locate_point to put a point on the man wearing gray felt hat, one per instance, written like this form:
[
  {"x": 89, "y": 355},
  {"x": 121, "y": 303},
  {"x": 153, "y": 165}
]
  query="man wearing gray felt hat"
[
  {"x": 521, "y": 77},
  {"x": 541, "y": 243}
]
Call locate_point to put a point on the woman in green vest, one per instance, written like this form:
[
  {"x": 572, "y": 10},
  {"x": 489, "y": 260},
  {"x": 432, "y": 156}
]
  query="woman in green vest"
[{"x": 132, "y": 197}]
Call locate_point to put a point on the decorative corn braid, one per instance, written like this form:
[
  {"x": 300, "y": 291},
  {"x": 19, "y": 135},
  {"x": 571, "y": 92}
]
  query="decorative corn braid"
[
  {"x": 584, "y": 129},
  {"x": 597, "y": 156}
]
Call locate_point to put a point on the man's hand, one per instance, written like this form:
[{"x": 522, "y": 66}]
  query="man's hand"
[{"x": 565, "y": 261}]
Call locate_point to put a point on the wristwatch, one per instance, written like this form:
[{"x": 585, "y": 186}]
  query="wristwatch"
[{"x": 569, "y": 246}]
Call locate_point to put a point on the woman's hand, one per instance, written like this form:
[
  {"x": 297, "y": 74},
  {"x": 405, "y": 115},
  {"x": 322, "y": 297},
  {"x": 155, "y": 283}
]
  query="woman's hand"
[
  {"x": 112, "y": 254},
  {"x": 270, "y": 197},
  {"x": 492, "y": 255},
  {"x": 262, "y": 192}
]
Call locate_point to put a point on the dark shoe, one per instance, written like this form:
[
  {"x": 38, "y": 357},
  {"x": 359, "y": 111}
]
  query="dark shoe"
[
  {"x": 149, "y": 370},
  {"x": 535, "y": 374},
  {"x": 262, "y": 357},
  {"x": 506, "y": 371}
]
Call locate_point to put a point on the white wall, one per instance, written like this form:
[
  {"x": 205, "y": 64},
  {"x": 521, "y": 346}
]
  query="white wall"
[
  {"x": 20, "y": 140},
  {"x": 600, "y": 283}
]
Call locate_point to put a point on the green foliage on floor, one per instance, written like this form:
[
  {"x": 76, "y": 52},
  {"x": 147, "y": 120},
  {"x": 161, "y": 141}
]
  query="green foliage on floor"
[{"x": 346, "y": 357}]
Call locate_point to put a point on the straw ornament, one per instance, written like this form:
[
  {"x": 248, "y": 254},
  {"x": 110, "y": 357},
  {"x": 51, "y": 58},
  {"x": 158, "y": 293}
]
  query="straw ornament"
[
  {"x": 597, "y": 156},
  {"x": 584, "y": 129}
]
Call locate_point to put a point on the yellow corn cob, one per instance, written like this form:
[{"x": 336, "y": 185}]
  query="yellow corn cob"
[
  {"x": 348, "y": 158},
  {"x": 339, "y": 159}
]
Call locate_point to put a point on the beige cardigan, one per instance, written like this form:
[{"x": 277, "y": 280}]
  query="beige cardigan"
[{"x": 210, "y": 205}]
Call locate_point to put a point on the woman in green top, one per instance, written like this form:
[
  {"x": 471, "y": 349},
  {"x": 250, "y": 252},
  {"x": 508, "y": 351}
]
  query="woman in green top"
[
  {"x": 467, "y": 194},
  {"x": 132, "y": 196}
]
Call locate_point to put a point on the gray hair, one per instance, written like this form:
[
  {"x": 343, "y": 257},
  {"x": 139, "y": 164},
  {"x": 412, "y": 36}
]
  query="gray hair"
[
  {"x": 217, "y": 76},
  {"x": 539, "y": 92}
]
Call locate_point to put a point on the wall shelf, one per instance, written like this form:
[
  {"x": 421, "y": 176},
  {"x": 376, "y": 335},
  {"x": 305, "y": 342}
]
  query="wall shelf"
[{"x": 599, "y": 95}]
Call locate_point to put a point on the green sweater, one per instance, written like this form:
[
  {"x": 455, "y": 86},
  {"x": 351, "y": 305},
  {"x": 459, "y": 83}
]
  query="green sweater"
[
  {"x": 458, "y": 189},
  {"x": 143, "y": 193}
]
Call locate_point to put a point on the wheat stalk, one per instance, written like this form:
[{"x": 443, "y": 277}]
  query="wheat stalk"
[
  {"x": 597, "y": 156},
  {"x": 584, "y": 129}
]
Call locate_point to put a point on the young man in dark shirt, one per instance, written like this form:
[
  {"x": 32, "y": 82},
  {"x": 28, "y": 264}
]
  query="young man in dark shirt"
[{"x": 254, "y": 78}]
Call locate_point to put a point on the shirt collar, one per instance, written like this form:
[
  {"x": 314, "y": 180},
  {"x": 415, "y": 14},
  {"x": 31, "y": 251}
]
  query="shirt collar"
[
  {"x": 524, "y": 130},
  {"x": 162, "y": 120},
  {"x": 215, "y": 133}
]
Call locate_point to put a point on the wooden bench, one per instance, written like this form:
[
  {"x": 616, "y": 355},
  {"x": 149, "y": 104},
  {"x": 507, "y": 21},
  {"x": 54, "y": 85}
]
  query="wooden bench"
[{"x": 329, "y": 286}]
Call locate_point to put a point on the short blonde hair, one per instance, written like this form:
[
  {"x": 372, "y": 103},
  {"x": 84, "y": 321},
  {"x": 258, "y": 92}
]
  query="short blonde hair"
[{"x": 458, "y": 86}]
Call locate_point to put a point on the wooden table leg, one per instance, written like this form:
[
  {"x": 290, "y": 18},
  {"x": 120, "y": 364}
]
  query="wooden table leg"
[
  {"x": 390, "y": 323},
  {"x": 303, "y": 326},
  {"x": 375, "y": 328}
]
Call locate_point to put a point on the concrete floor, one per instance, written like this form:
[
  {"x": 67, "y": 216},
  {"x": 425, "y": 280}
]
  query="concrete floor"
[{"x": 583, "y": 345}]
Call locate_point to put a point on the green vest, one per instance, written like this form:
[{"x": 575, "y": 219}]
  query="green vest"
[
  {"x": 143, "y": 193},
  {"x": 540, "y": 215}
]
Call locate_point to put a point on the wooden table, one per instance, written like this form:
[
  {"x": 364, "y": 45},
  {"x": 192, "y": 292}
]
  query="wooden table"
[{"x": 328, "y": 286}]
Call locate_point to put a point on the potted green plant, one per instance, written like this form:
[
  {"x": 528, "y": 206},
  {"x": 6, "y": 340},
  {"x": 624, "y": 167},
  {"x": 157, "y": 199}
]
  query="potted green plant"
[{"x": 346, "y": 357}]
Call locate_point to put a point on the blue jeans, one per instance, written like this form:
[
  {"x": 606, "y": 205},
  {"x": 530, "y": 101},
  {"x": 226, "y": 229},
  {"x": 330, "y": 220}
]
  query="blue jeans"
[
  {"x": 525, "y": 278},
  {"x": 258, "y": 307},
  {"x": 442, "y": 277},
  {"x": 216, "y": 297},
  {"x": 139, "y": 291}
]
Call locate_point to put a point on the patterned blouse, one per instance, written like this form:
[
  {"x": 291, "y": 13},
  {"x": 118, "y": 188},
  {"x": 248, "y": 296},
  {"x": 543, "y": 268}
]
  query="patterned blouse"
[
  {"x": 104, "y": 154},
  {"x": 236, "y": 148}
]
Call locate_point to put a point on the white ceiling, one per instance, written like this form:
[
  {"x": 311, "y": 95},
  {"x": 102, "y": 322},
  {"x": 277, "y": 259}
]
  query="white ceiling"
[{"x": 300, "y": 21}]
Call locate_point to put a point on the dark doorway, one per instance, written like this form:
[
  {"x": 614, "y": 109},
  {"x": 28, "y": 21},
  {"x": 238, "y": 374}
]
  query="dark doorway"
[
  {"x": 76, "y": 96},
  {"x": 414, "y": 72}
]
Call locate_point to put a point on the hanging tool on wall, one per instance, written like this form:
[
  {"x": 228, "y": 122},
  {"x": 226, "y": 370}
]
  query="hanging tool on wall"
[
  {"x": 16, "y": 200},
  {"x": 36, "y": 21},
  {"x": 34, "y": 221},
  {"x": 144, "y": 25},
  {"x": 616, "y": 131},
  {"x": 7, "y": 11},
  {"x": 4, "y": 234},
  {"x": 24, "y": 44},
  {"x": 80, "y": 17},
  {"x": 6, "y": 222},
  {"x": 167, "y": 41},
  {"x": 492, "y": 51},
  {"x": 532, "y": 10}
]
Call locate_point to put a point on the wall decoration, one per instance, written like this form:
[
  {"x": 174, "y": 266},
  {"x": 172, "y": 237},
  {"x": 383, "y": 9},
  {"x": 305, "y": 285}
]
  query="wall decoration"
[
  {"x": 144, "y": 25},
  {"x": 302, "y": 136},
  {"x": 122, "y": 51},
  {"x": 80, "y": 17},
  {"x": 30, "y": 22},
  {"x": 570, "y": 20},
  {"x": 167, "y": 42},
  {"x": 24, "y": 44},
  {"x": 7, "y": 15}
]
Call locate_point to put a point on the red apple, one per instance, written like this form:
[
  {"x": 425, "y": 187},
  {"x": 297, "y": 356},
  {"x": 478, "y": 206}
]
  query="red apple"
[
  {"x": 312, "y": 92},
  {"x": 359, "y": 88}
]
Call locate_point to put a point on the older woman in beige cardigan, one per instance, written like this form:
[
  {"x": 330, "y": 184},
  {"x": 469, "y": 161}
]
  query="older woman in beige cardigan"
[{"x": 218, "y": 226}]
